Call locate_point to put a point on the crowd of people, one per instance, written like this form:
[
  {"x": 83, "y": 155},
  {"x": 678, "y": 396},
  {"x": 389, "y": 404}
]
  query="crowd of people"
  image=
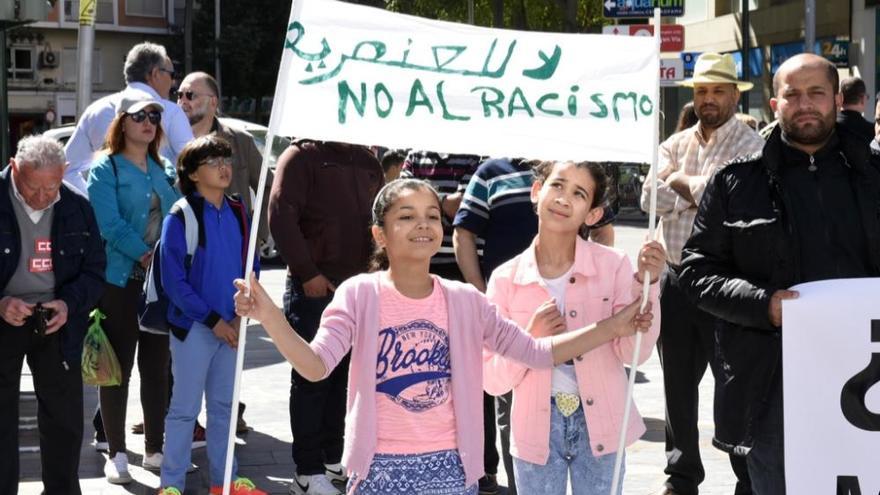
[{"x": 433, "y": 300}]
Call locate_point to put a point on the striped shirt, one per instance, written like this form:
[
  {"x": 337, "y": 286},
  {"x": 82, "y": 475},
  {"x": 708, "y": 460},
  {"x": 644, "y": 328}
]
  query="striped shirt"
[
  {"x": 497, "y": 207},
  {"x": 688, "y": 151},
  {"x": 448, "y": 174}
]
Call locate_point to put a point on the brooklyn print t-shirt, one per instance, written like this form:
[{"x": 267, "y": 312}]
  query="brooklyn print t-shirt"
[{"x": 413, "y": 375}]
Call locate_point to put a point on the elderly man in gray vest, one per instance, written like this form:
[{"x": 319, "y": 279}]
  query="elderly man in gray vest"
[{"x": 51, "y": 276}]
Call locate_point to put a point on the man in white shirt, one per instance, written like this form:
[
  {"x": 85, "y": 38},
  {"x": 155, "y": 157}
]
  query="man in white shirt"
[{"x": 148, "y": 71}]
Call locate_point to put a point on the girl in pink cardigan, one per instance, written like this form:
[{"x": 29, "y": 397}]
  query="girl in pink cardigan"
[
  {"x": 414, "y": 421},
  {"x": 566, "y": 421}
]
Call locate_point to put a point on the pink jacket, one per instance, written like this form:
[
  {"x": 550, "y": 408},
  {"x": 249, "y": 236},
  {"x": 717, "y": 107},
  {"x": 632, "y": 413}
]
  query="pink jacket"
[
  {"x": 602, "y": 282},
  {"x": 351, "y": 322}
]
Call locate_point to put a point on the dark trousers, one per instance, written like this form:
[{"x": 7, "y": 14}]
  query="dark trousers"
[
  {"x": 686, "y": 347},
  {"x": 450, "y": 271},
  {"x": 317, "y": 409},
  {"x": 59, "y": 409},
  {"x": 502, "y": 408},
  {"x": 766, "y": 460},
  {"x": 123, "y": 332}
]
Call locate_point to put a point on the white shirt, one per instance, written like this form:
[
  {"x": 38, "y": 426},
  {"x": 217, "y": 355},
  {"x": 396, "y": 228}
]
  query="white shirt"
[
  {"x": 35, "y": 215},
  {"x": 564, "y": 378},
  {"x": 88, "y": 137}
]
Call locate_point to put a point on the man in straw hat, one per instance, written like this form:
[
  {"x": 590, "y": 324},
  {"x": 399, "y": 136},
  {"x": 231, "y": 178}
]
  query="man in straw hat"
[
  {"x": 687, "y": 160},
  {"x": 804, "y": 209}
]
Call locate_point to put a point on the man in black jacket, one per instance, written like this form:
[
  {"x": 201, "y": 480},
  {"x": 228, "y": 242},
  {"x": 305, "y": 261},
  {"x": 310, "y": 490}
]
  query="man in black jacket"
[
  {"x": 855, "y": 97},
  {"x": 803, "y": 209},
  {"x": 51, "y": 274}
]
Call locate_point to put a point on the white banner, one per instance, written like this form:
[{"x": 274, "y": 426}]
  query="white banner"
[
  {"x": 363, "y": 75},
  {"x": 831, "y": 359}
]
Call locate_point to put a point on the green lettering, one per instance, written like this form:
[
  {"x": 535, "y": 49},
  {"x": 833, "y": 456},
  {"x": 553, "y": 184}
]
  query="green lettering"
[
  {"x": 618, "y": 96},
  {"x": 446, "y": 114},
  {"x": 496, "y": 103},
  {"x": 543, "y": 99},
  {"x": 572, "y": 101},
  {"x": 418, "y": 97},
  {"x": 518, "y": 94},
  {"x": 346, "y": 94},
  {"x": 645, "y": 99},
  {"x": 380, "y": 89},
  {"x": 603, "y": 110}
]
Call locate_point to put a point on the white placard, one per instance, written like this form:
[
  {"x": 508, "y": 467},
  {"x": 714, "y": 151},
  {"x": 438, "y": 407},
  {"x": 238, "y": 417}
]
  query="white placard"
[
  {"x": 831, "y": 359},
  {"x": 367, "y": 76}
]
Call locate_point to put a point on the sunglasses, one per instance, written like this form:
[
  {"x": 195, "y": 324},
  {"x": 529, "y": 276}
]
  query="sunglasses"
[
  {"x": 170, "y": 72},
  {"x": 218, "y": 162},
  {"x": 142, "y": 115},
  {"x": 190, "y": 95}
]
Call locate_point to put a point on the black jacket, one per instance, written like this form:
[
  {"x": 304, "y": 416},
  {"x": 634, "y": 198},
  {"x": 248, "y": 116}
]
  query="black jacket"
[
  {"x": 742, "y": 249},
  {"x": 77, "y": 258},
  {"x": 856, "y": 124}
]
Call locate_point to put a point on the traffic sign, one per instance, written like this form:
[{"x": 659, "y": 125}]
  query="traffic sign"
[
  {"x": 671, "y": 35},
  {"x": 671, "y": 70},
  {"x": 642, "y": 8}
]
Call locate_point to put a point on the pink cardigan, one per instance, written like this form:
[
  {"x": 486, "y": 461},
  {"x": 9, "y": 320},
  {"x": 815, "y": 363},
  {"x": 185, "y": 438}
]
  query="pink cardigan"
[
  {"x": 351, "y": 322},
  {"x": 602, "y": 282}
]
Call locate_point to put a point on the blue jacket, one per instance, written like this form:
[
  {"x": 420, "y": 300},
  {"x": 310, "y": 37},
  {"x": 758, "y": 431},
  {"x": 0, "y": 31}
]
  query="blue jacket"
[
  {"x": 77, "y": 259},
  {"x": 121, "y": 201},
  {"x": 205, "y": 294}
]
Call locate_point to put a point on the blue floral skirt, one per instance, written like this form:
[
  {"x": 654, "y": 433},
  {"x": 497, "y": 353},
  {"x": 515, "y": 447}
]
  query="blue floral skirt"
[{"x": 433, "y": 473}]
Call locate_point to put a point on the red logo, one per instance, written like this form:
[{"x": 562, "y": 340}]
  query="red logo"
[
  {"x": 43, "y": 246},
  {"x": 40, "y": 265}
]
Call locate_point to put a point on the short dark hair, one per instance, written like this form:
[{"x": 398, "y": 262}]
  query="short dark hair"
[
  {"x": 194, "y": 154},
  {"x": 543, "y": 169},
  {"x": 830, "y": 71},
  {"x": 853, "y": 90},
  {"x": 392, "y": 159}
]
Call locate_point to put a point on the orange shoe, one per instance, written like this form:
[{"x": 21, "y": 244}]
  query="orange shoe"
[{"x": 241, "y": 486}]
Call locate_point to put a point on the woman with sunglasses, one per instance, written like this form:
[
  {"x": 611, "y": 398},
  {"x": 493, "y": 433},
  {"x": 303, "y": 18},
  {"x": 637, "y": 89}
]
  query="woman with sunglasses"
[{"x": 131, "y": 189}]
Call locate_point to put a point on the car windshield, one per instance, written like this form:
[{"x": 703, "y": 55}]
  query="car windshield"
[{"x": 278, "y": 146}]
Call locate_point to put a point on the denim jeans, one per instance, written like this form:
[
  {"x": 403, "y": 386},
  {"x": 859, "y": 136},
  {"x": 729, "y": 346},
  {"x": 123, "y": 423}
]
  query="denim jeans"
[
  {"x": 766, "y": 460},
  {"x": 570, "y": 456},
  {"x": 201, "y": 364}
]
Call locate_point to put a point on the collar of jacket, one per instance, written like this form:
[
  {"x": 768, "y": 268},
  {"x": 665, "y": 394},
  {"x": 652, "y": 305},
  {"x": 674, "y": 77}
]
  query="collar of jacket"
[
  {"x": 527, "y": 270},
  {"x": 854, "y": 150}
]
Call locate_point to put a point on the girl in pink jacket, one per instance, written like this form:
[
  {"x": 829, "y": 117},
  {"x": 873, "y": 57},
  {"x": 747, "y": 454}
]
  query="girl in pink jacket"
[
  {"x": 414, "y": 420},
  {"x": 565, "y": 421}
]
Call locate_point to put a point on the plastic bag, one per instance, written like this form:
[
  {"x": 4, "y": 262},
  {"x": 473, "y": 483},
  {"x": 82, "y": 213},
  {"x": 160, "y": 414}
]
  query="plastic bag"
[{"x": 99, "y": 363}]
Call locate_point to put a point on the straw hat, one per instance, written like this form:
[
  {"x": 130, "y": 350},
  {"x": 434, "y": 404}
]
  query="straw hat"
[{"x": 714, "y": 68}]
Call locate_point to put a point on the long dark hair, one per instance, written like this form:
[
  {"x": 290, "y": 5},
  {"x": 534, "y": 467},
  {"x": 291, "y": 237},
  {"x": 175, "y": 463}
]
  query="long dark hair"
[{"x": 385, "y": 199}]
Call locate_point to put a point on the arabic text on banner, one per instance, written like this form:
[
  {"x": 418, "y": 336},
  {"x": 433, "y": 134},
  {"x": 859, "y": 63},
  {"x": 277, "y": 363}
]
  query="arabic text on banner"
[
  {"x": 831, "y": 370},
  {"x": 363, "y": 75}
]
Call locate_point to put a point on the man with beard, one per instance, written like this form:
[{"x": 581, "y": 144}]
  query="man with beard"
[
  {"x": 199, "y": 97},
  {"x": 687, "y": 161},
  {"x": 803, "y": 209}
]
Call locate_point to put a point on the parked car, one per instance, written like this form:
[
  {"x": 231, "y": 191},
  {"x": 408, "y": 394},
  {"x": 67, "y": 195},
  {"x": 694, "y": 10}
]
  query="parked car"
[{"x": 268, "y": 252}]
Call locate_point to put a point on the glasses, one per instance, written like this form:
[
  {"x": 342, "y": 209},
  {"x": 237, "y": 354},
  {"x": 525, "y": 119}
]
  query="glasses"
[
  {"x": 218, "y": 162},
  {"x": 141, "y": 115},
  {"x": 190, "y": 95},
  {"x": 170, "y": 72}
]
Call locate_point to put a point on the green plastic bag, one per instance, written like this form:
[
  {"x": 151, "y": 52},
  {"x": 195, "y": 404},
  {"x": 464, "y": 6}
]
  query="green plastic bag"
[{"x": 99, "y": 363}]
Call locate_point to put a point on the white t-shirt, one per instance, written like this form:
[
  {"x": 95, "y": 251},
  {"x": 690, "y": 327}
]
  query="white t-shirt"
[{"x": 564, "y": 378}]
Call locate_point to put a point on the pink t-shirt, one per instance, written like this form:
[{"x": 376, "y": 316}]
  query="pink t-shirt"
[{"x": 413, "y": 374}]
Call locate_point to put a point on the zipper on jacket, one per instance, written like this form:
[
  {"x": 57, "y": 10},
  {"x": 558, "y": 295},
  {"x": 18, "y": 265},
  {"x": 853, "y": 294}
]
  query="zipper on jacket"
[{"x": 812, "y": 167}]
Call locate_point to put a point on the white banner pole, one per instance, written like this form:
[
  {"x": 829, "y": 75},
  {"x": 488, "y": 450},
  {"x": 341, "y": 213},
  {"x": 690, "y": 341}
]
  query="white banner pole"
[
  {"x": 646, "y": 287},
  {"x": 277, "y": 104}
]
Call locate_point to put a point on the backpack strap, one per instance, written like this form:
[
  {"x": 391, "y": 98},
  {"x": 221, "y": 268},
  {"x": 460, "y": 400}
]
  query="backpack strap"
[
  {"x": 189, "y": 210},
  {"x": 241, "y": 215}
]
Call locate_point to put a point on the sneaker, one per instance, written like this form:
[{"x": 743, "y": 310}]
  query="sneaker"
[
  {"x": 241, "y": 427},
  {"x": 100, "y": 442},
  {"x": 488, "y": 485},
  {"x": 152, "y": 462},
  {"x": 199, "y": 439},
  {"x": 335, "y": 473},
  {"x": 169, "y": 490},
  {"x": 315, "y": 484},
  {"x": 241, "y": 486},
  {"x": 137, "y": 429},
  {"x": 116, "y": 470}
]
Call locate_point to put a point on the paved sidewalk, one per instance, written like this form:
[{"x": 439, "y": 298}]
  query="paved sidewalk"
[{"x": 264, "y": 453}]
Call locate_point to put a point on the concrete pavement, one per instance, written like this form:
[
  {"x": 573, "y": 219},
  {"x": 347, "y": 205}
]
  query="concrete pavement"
[{"x": 264, "y": 453}]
